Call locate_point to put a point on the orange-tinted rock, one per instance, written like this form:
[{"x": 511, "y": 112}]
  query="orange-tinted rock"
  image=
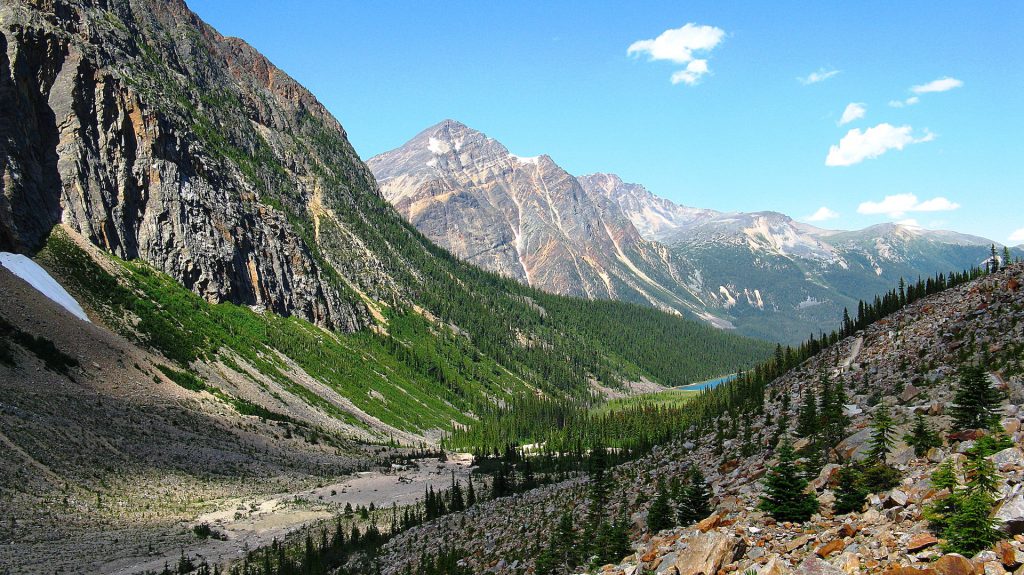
[
  {"x": 1007, "y": 554},
  {"x": 921, "y": 541},
  {"x": 830, "y": 548},
  {"x": 953, "y": 564},
  {"x": 847, "y": 530},
  {"x": 709, "y": 523}
]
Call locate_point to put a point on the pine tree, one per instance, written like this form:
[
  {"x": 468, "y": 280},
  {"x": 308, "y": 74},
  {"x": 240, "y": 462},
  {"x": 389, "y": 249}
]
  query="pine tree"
[
  {"x": 807, "y": 420},
  {"x": 561, "y": 552},
  {"x": 971, "y": 528},
  {"x": 850, "y": 489},
  {"x": 922, "y": 437},
  {"x": 659, "y": 515},
  {"x": 457, "y": 503},
  {"x": 834, "y": 420},
  {"x": 470, "y": 494},
  {"x": 693, "y": 501},
  {"x": 882, "y": 428},
  {"x": 784, "y": 497},
  {"x": 976, "y": 401}
]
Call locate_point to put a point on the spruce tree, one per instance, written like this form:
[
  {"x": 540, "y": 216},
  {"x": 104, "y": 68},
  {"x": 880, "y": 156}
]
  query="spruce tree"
[
  {"x": 784, "y": 497},
  {"x": 833, "y": 420},
  {"x": 693, "y": 501},
  {"x": 850, "y": 491},
  {"x": 922, "y": 437},
  {"x": 971, "y": 528},
  {"x": 976, "y": 401},
  {"x": 470, "y": 493},
  {"x": 659, "y": 515},
  {"x": 882, "y": 428},
  {"x": 807, "y": 420}
]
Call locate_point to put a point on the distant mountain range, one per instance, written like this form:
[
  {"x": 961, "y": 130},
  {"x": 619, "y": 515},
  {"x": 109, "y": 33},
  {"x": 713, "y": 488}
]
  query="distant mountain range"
[{"x": 595, "y": 236}]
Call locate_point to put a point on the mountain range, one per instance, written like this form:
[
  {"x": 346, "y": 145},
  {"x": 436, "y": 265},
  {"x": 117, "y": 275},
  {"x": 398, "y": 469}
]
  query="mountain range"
[{"x": 596, "y": 236}]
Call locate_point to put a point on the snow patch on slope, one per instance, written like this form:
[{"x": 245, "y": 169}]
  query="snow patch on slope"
[
  {"x": 438, "y": 147},
  {"x": 729, "y": 300},
  {"x": 526, "y": 160},
  {"x": 37, "y": 277}
]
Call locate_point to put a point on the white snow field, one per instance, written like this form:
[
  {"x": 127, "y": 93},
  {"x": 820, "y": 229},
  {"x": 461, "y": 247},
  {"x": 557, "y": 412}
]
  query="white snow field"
[{"x": 37, "y": 277}]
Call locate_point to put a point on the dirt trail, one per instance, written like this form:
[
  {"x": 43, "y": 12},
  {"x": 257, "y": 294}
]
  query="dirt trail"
[
  {"x": 250, "y": 524},
  {"x": 854, "y": 352}
]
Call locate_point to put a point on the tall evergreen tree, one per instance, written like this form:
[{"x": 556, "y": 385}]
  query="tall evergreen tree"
[
  {"x": 784, "y": 497},
  {"x": 850, "y": 490},
  {"x": 922, "y": 437},
  {"x": 976, "y": 400},
  {"x": 807, "y": 419},
  {"x": 693, "y": 501},
  {"x": 470, "y": 493},
  {"x": 659, "y": 515},
  {"x": 882, "y": 429}
]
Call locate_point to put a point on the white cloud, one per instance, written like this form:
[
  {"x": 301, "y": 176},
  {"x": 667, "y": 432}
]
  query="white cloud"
[
  {"x": 857, "y": 146},
  {"x": 822, "y": 214},
  {"x": 901, "y": 103},
  {"x": 940, "y": 85},
  {"x": 1017, "y": 236},
  {"x": 909, "y": 222},
  {"x": 853, "y": 111},
  {"x": 678, "y": 45},
  {"x": 898, "y": 205},
  {"x": 820, "y": 76},
  {"x": 691, "y": 75}
]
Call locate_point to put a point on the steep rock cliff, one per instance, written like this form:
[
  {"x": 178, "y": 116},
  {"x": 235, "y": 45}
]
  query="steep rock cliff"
[{"x": 96, "y": 96}]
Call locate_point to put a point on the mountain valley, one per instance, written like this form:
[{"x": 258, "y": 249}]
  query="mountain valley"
[{"x": 231, "y": 346}]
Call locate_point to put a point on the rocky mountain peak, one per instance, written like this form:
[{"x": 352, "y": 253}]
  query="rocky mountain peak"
[{"x": 525, "y": 217}]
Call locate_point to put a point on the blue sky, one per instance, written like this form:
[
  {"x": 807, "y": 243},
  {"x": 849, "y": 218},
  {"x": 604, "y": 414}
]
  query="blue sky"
[{"x": 750, "y": 133}]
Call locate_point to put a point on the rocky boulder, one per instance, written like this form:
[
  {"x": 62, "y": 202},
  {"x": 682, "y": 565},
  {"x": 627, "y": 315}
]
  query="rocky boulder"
[{"x": 707, "y": 553}]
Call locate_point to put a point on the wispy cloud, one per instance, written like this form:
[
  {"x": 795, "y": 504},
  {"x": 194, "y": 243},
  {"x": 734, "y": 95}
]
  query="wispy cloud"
[
  {"x": 820, "y": 76},
  {"x": 679, "y": 45},
  {"x": 853, "y": 111},
  {"x": 940, "y": 85},
  {"x": 1017, "y": 236},
  {"x": 899, "y": 205},
  {"x": 902, "y": 103},
  {"x": 822, "y": 215},
  {"x": 857, "y": 146}
]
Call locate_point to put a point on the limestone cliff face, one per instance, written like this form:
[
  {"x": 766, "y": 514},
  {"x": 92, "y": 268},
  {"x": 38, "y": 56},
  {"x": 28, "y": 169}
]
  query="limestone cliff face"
[
  {"x": 525, "y": 218},
  {"x": 137, "y": 125}
]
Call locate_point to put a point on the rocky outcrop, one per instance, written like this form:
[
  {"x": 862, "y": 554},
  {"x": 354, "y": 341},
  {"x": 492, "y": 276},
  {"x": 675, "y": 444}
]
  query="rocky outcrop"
[{"x": 186, "y": 153}]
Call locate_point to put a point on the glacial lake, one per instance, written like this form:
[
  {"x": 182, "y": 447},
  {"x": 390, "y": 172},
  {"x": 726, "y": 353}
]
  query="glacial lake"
[{"x": 709, "y": 383}]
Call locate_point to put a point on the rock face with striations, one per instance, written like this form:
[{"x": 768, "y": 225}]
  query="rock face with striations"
[
  {"x": 143, "y": 129},
  {"x": 597, "y": 236},
  {"x": 527, "y": 219}
]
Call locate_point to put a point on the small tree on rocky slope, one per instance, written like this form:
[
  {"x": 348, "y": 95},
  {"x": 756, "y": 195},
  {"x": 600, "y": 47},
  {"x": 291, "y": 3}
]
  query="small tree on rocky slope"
[
  {"x": 659, "y": 515},
  {"x": 964, "y": 517},
  {"x": 922, "y": 437},
  {"x": 882, "y": 427},
  {"x": 784, "y": 497},
  {"x": 976, "y": 401},
  {"x": 693, "y": 498}
]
